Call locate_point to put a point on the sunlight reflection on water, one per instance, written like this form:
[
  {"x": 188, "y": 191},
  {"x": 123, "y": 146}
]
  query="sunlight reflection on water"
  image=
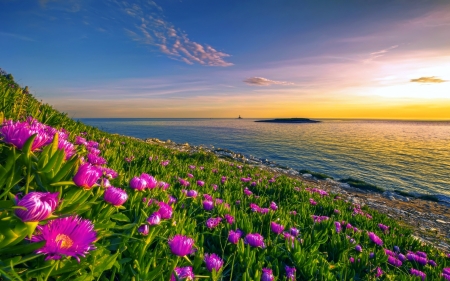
[{"x": 404, "y": 155}]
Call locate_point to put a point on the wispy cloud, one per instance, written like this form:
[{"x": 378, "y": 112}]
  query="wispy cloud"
[
  {"x": 260, "y": 81},
  {"x": 380, "y": 53},
  {"x": 431, "y": 79},
  {"x": 152, "y": 29},
  {"x": 16, "y": 36}
]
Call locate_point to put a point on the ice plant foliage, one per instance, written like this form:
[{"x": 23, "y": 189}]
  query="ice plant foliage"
[
  {"x": 69, "y": 236},
  {"x": 39, "y": 206}
]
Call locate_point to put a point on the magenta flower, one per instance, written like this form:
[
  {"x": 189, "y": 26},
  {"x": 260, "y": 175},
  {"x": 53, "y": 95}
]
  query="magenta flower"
[
  {"x": 109, "y": 173},
  {"x": 379, "y": 272},
  {"x": 183, "y": 273},
  {"x": 190, "y": 175},
  {"x": 290, "y": 273},
  {"x": 276, "y": 228},
  {"x": 165, "y": 211},
  {"x": 181, "y": 245},
  {"x": 69, "y": 236},
  {"x": 138, "y": 183},
  {"x": 143, "y": 229},
  {"x": 246, "y": 179},
  {"x": 154, "y": 219},
  {"x": 273, "y": 206},
  {"x": 172, "y": 200},
  {"x": 200, "y": 183},
  {"x": 163, "y": 185},
  {"x": 151, "y": 181},
  {"x": 208, "y": 205},
  {"x": 214, "y": 186},
  {"x": 80, "y": 140},
  {"x": 254, "y": 240},
  {"x": 375, "y": 239},
  {"x": 419, "y": 273},
  {"x": 213, "y": 222},
  {"x": 213, "y": 261},
  {"x": 115, "y": 196},
  {"x": 234, "y": 236},
  {"x": 254, "y": 207},
  {"x": 352, "y": 259},
  {"x": 165, "y": 163},
  {"x": 67, "y": 147},
  {"x": 294, "y": 231},
  {"x": 39, "y": 206},
  {"x": 394, "y": 261},
  {"x": 87, "y": 175},
  {"x": 184, "y": 182},
  {"x": 19, "y": 132},
  {"x": 267, "y": 275},
  {"x": 96, "y": 160},
  {"x": 312, "y": 202},
  {"x": 229, "y": 218},
  {"x": 247, "y": 192}
]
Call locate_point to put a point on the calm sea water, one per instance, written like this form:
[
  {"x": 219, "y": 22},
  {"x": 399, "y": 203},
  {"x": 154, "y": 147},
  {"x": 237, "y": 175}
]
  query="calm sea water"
[{"x": 403, "y": 155}]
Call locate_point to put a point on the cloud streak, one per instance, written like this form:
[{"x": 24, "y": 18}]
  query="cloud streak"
[
  {"x": 431, "y": 79},
  {"x": 152, "y": 29},
  {"x": 260, "y": 81}
]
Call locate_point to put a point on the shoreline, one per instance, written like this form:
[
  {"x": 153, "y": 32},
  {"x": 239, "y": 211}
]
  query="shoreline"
[{"x": 429, "y": 220}]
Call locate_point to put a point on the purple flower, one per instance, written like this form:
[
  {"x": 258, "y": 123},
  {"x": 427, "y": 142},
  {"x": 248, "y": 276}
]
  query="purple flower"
[
  {"x": 396, "y": 249},
  {"x": 163, "y": 185},
  {"x": 143, "y": 229},
  {"x": 183, "y": 273},
  {"x": 229, "y": 219},
  {"x": 247, "y": 192},
  {"x": 223, "y": 179},
  {"x": 394, "y": 261},
  {"x": 192, "y": 167},
  {"x": 358, "y": 248},
  {"x": 352, "y": 259},
  {"x": 80, "y": 140},
  {"x": 371, "y": 255},
  {"x": 419, "y": 273},
  {"x": 213, "y": 261},
  {"x": 294, "y": 231},
  {"x": 68, "y": 147},
  {"x": 190, "y": 175},
  {"x": 115, "y": 196},
  {"x": 109, "y": 173},
  {"x": 401, "y": 257},
  {"x": 69, "y": 236},
  {"x": 165, "y": 211},
  {"x": 39, "y": 206},
  {"x": 200, "y": 183},
  {"x": 276, "y": 228},
  {"x": 246, "y": 179},
  {"x": 432, "y": 263},
  {"x": 254, "y": 240},
  {"x": 181, "y": 245},
  {"x": 165, "y": 163},
  {"x": 290, "y": 273},
  {"x": 172, "y": 200},
  {"x": 254, "y": 207},
  {"x": 208, "y": 205},
  {"x": 138, "y": 183},
  {"x": 421, "y": 254},
  {"x": 267, "y": 275},
  {"x": 154, "y": 219},
  {"x": 213, "y": 222},
  {"x": 192, "y": 193},
  {"x": 87, "y": 175},
  {"x": 312, "y": 202},
  {"x": 375, "y": 239},
  {"x": 234, "y": 236},
  {"x": 383, "y": 227},
  {"x": 184, "y": 182},
  {"x": 214, "y": 186},
  {"x": 338, "y": 226}
]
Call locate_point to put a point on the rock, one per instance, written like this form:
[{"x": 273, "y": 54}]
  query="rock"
[
  {"x": 307, "y": 176},
  {"x": 344, "y": 185},
  {"x": 441, "y": 221},
  {"x": 185, "y": 144}
]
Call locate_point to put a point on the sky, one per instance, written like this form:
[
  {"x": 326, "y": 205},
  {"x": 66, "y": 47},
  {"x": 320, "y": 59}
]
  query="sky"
[{"x": 219, "y": 59}]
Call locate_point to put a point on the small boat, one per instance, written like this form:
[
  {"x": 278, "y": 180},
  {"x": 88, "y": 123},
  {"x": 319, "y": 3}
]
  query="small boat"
[{"x": 239, "y": 117}]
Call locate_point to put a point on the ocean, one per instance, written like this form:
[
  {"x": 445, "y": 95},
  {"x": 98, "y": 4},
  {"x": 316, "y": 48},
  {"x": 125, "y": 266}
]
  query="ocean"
[{"x": 411, "y": 156}]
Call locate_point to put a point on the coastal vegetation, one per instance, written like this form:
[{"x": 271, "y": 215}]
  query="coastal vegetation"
[{"x": 77, "y": 203}]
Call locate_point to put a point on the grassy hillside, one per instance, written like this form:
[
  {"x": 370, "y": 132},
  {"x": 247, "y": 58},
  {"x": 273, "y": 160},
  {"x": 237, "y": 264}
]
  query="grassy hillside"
[{"x": 176, "y": 215}]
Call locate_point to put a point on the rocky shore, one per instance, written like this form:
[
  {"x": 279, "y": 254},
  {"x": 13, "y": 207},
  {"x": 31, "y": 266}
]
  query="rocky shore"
[{"x": 429, "y": 220}]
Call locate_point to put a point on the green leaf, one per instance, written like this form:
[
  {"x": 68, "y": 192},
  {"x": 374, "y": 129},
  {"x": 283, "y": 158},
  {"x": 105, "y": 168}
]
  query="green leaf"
[
  {"x": 22, "y": 249},
  {"x": 126, "y": 226},
  {"x": 120, "y": 217},
  {"x": 5, "y": 204}
]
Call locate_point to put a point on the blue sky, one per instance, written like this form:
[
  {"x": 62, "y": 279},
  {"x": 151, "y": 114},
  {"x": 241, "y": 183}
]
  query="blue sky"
[{"x": 345, "y": 59}]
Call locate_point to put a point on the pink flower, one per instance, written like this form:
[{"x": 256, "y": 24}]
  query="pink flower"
[
  {"x": 39, "y": 206},
  {"x": 181, "y": 245}
]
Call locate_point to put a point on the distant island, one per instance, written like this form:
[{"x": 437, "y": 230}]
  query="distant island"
[{"x": 289, "y": 120}]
